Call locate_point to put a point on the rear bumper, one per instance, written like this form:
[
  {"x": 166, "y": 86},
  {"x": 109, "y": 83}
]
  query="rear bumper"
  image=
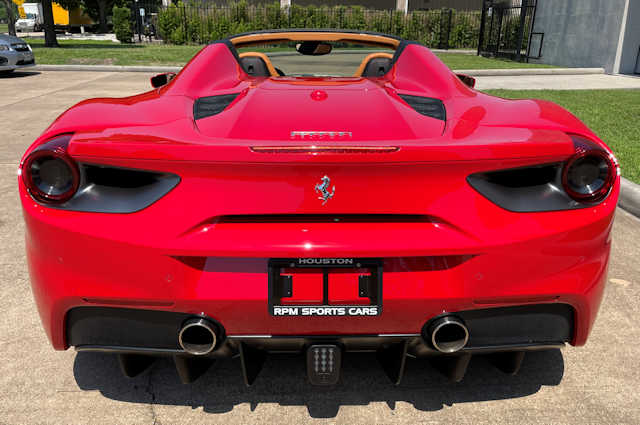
[
  {"x": 70, "y": 270},
  {"x": 140, "y": 261},
  {"x": 519, "y": 328}
]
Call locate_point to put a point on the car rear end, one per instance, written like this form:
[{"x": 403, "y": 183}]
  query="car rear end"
[
  {"x": 229, "y": 215},
  {"x": 320, "y": 247}
]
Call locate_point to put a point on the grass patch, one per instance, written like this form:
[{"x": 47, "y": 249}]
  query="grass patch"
[
  {"x": 4, "y": 28},
  {"x": 91, "y": 52},
  {"x": 612, "y": 114},
  {"x": 463, "y": 61}
]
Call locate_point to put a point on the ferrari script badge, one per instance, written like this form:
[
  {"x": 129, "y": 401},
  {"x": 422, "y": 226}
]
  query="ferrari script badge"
[{"x": 322, "y": 189}]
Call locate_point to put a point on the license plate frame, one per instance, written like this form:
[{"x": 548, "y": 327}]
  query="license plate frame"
[{"x": 372, "y": 283}]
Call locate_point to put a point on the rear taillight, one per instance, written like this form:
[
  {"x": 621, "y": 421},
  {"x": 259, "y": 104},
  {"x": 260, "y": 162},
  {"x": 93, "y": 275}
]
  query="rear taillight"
[
  {"x": 49, "y": 173},
  {"x": 590, "y": 173},
  {"x": 581, "y": 181}
]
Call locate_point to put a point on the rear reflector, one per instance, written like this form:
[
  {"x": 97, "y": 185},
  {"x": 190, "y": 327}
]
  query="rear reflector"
[{"x": 324, "y": 149}]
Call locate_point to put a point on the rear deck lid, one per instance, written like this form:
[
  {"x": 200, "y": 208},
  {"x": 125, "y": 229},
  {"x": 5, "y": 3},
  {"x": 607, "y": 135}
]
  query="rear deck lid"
[{"x": 341, "y": 109}]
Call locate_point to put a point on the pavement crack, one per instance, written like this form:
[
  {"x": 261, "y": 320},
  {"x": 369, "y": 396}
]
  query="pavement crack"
[{"x": 149, "y": 390}]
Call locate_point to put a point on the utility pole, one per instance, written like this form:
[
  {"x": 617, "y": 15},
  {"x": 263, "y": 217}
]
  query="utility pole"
[{"x": 402, "y": 5}]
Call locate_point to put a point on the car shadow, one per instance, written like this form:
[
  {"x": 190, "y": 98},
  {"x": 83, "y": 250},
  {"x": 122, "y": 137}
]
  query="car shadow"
[
  {"x": 19, "y": 74},
  {"x": 283, "y": 381}
]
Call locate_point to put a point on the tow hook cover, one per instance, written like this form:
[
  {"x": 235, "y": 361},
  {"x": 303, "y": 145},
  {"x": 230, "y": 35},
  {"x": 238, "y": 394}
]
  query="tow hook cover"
[{"x": 323, "y": 364}]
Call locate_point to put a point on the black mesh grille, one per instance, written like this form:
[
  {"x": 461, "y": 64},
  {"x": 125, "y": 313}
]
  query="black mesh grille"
[
  {"x": 212, "y": 105},
  {"x": 430, "y": 107},
  {"x": 20, "y": 47}
]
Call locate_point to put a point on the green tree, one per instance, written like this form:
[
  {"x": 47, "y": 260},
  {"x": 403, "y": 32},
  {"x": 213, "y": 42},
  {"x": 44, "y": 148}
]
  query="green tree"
[
  {"x": 168, "y": 22},
  {"x": 98, "y": 11},
  {"x": 122, "y": 24},
  {"x": 50, "y": 39},
  {"x": 9, "y": 10}
]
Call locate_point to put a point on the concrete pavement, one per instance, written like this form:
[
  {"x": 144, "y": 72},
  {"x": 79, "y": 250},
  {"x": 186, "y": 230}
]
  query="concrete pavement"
[
  {"x": 558, "y": 82},
  {"x": 595, "y": 384}
]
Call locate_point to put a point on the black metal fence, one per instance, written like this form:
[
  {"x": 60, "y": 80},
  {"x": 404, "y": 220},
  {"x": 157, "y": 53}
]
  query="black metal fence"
[
  {"x": 506, "y": 29},
  {"x": 198, "y": 23}
]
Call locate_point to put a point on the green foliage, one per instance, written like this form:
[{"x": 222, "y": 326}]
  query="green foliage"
[
  {"x": 122, "y": 24},
  {"x": 168, "y": 21},
  {"x": 92, "y": 7},
  {"x": 70, "y": 4},
  {"x": 356, "y": 19},
  {"x": 187, "y": 23},
  {"x": 4, "y": 14},
  {"x": 464, "y": 30}
]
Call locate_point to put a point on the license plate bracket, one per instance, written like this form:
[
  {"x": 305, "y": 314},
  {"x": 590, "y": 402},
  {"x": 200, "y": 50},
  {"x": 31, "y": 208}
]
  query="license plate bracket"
[{"x": 368, "y": 284}]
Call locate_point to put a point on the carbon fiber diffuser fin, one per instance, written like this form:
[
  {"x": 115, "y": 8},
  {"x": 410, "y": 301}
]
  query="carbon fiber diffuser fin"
[{"x": 212, "y": 105}]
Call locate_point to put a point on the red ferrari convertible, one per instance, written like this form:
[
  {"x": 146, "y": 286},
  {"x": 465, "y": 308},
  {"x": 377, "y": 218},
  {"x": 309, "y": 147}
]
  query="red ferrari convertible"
[{"x": 274, "y": 202}]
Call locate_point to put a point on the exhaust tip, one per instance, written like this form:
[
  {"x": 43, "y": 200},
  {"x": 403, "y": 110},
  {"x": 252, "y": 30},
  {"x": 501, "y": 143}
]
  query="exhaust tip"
[
  {"x": 198, "y": 336},
  {"x": 448, "y": 334}
]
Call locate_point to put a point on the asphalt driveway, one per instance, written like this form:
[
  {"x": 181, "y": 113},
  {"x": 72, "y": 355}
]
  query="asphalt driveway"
[{"x": 597, "y": 383}]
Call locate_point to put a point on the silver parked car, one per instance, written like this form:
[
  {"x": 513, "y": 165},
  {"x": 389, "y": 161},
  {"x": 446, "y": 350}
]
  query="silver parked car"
[{"x": 15, "y": 53}]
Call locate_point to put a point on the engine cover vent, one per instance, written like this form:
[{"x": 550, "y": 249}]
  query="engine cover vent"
[
  {"x": 428, "y": 106},
  {"x": 212, "y": 105}
]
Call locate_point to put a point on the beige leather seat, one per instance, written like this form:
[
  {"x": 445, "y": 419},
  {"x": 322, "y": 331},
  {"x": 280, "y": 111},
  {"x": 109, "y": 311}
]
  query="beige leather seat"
[
  {"x": 374, "y": 65},
  {"x": 257, "y": 64}
]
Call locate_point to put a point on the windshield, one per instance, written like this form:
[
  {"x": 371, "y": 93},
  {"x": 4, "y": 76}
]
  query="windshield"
[
  {"x": 343, "y": 60},
  {"x": 30, "y": 16}
]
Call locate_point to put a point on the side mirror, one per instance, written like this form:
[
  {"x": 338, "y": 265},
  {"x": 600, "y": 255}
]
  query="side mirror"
[
  {"x": 313, "y": 48},
  {"x": 162, "y": 79},
  {"x": 469, "y": 81}
]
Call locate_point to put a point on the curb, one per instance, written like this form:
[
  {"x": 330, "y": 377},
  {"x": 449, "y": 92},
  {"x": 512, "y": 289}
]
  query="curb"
[
  {"x": 529, "y": 71},
  {"x": 471, "y": 72},
  {"x": 629, "y": 197},
  {"x": 106, "y": 68}
]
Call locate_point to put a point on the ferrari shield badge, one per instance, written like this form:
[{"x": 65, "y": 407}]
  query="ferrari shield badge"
[{"x": 322, "y": 189}]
